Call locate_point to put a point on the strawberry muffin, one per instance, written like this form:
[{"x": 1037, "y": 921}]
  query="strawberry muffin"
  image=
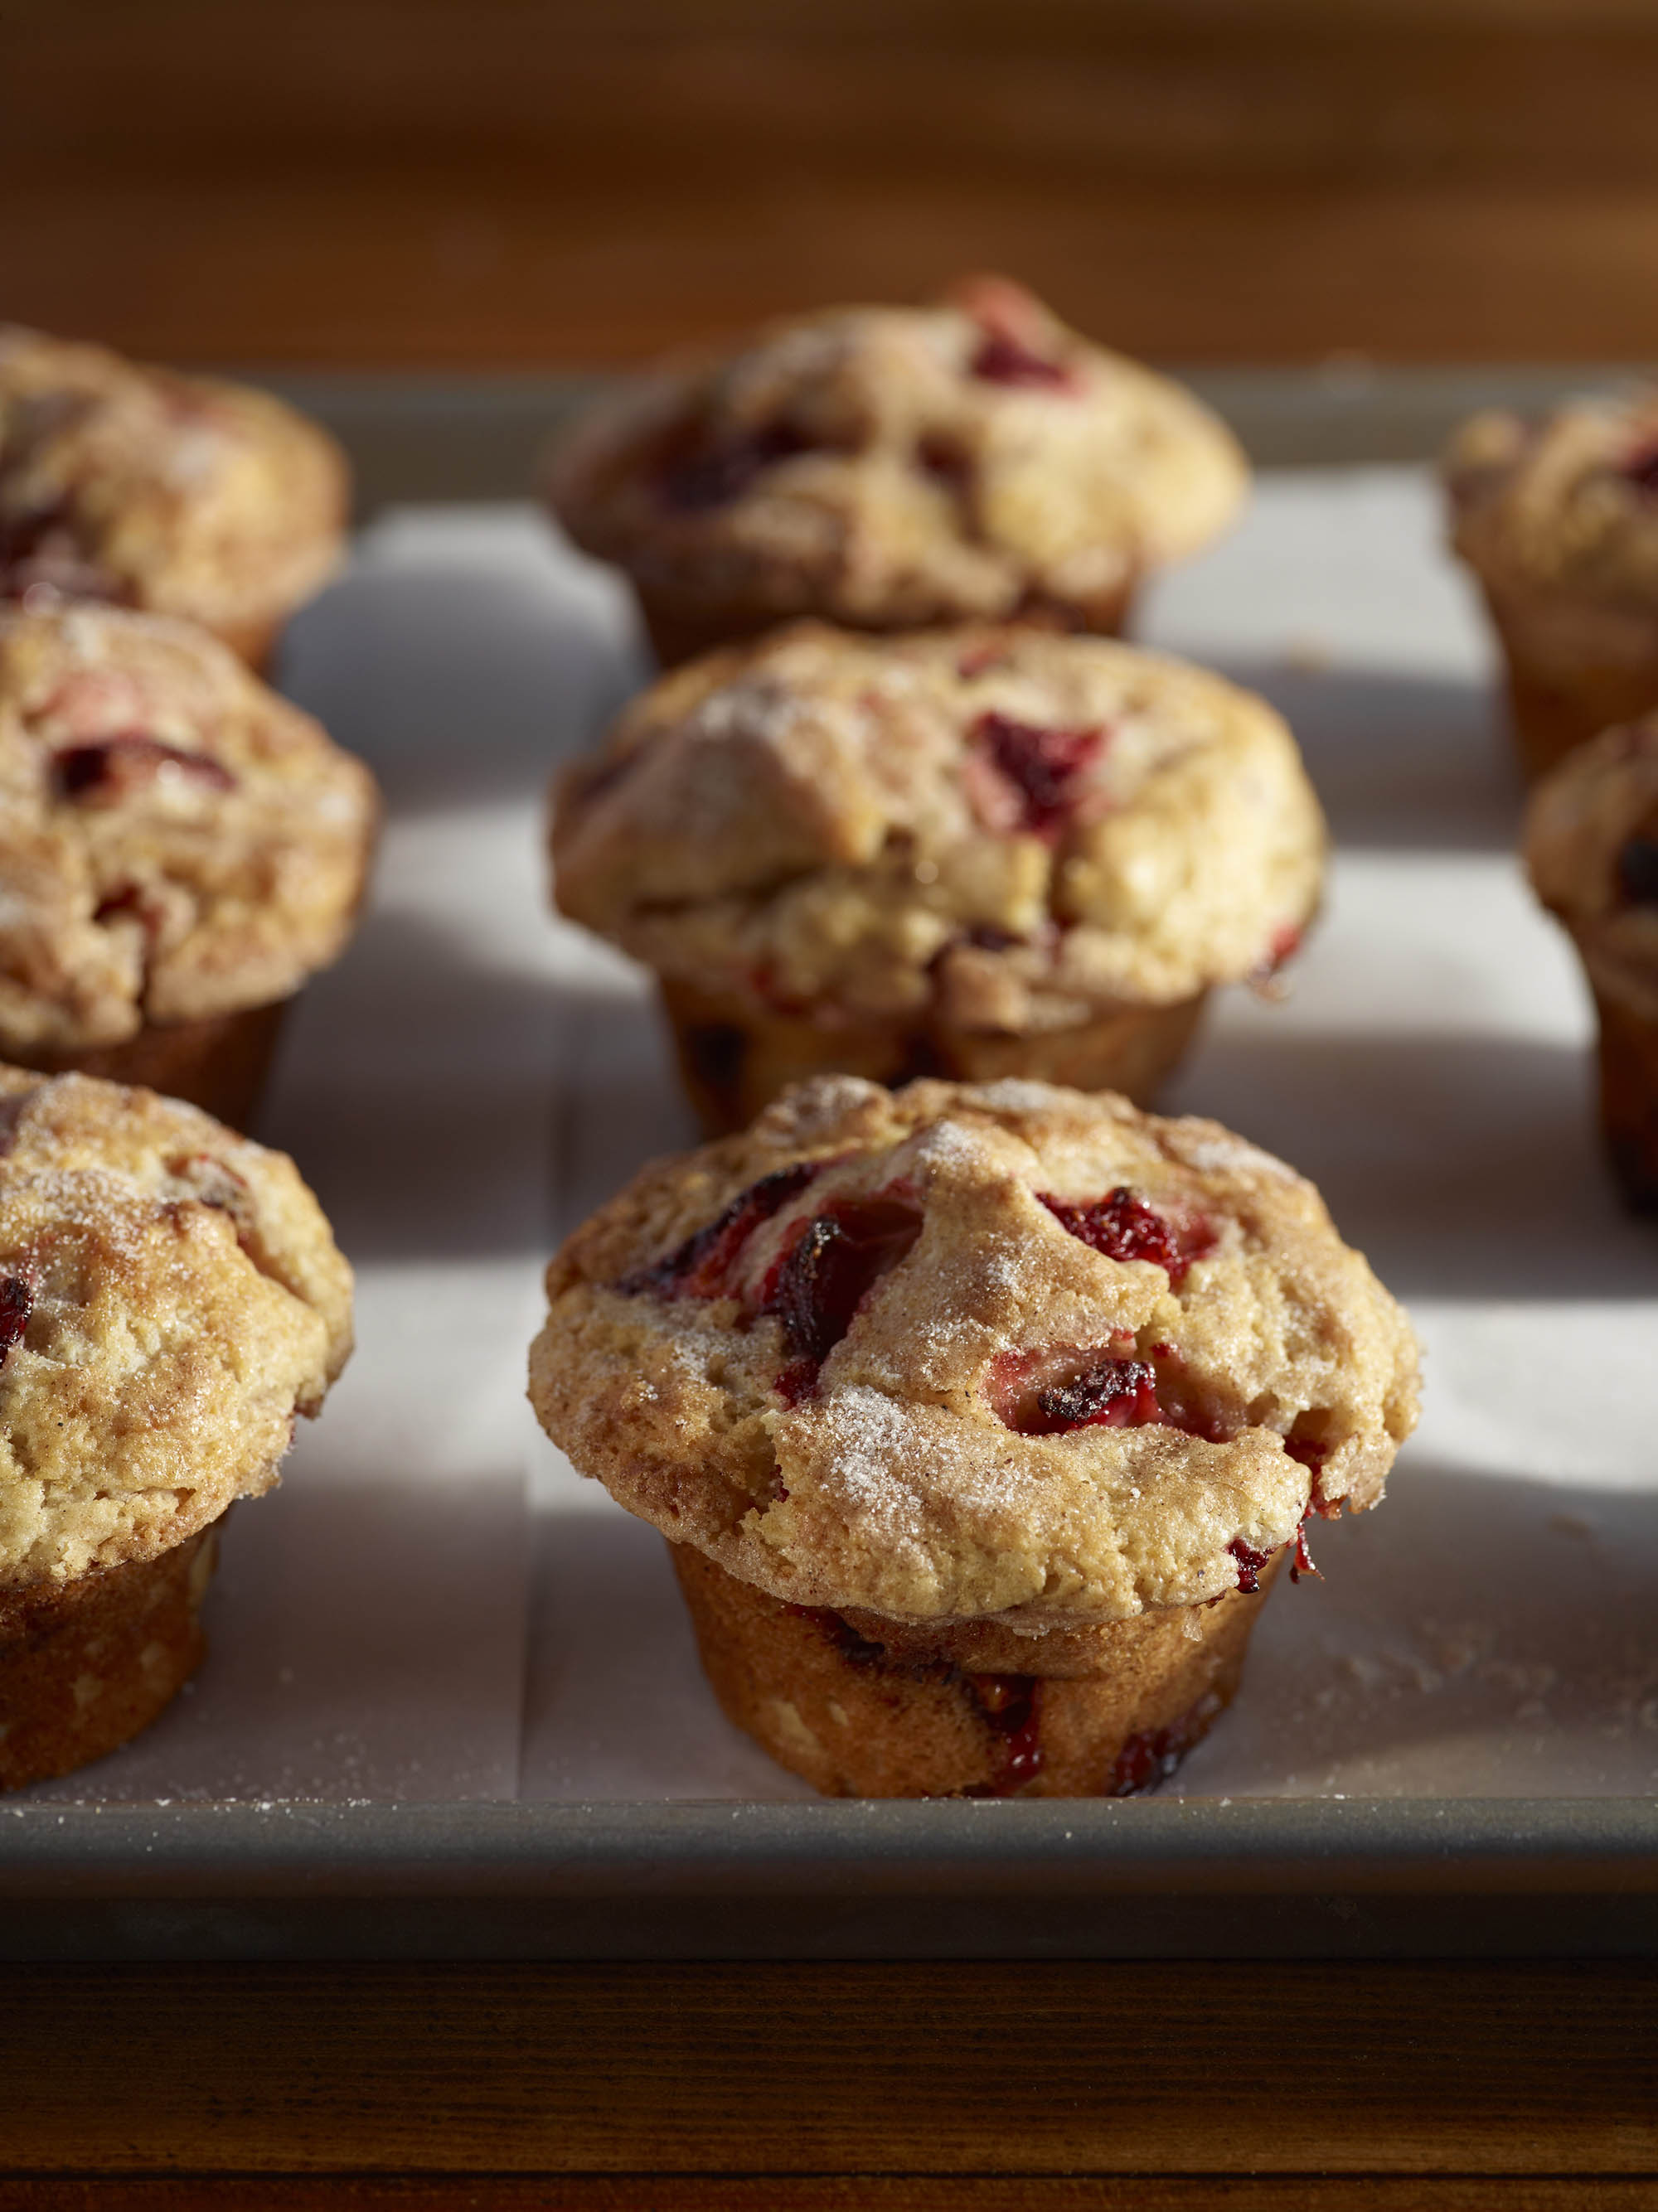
[
  {"x": 975, "y": 853},
  {"x": 178, "y": 849},
  {"x": 1558, "y": 521},
  {"x": 170, "y": 1298},
  {"x": 1592, "y": 852},
  {"x": 177, "y": 495},
  {"x": 886, "y": 468},
  {"x": 981, "y": 1418}
]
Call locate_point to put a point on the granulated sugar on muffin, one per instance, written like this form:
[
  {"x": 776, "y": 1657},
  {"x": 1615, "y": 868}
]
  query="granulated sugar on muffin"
[
  {"x": 1007, "y": 1385},
  {"x": 177, "y": 844},
  {"x": 890, "y": 467},
  {"x": 170, "y": 1298},
  {"x": 177, "y": 495},
  {"x": 980, "y": 853}
]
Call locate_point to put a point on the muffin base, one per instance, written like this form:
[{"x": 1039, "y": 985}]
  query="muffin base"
[
  {"x": 734, "y": 1061},
  {"x": 857, "y": 1716},
  {"x": 1629, "y": 1099},
  {"x": 220, "y": 1063},
  {"x": 85, "y": 1665},
  {"x": 1554, "y": 710},
  {"x": 680, "y": 630}
]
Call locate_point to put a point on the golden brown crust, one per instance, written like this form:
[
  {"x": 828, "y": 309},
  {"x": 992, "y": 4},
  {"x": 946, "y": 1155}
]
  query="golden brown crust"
[
  {"x": 179, "y": 495},
  {"x": 170, "y": 1297},
  {"x": 887, "y": 468},
  {"x": 176, "y": 841},
  {"x": 1562, "y": 507},
  {"x": 906, "y": 1475},
  {"x": 1002, "y": 831}
]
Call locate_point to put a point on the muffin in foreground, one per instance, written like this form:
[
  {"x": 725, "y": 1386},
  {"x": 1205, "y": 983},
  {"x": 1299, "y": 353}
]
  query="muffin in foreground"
[
  {"x": 974, "y": 854},
  {"x": 886, "y": 468},
  {"x": 176, "y": 495},
  {"x": 170, "y": 1297},
  {"x": 1591, "y": 845},
  {"x": 179, "y": 848},
  {"x": 1558, "y": 521},
  {"x": 980, "y": 1420}
]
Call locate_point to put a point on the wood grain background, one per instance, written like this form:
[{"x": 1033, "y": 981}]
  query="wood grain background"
[{"x": 402, "y": 183}]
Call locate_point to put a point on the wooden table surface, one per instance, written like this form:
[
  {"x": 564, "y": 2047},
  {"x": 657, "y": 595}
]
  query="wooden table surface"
[
  {"x": 414, "y": 184},
  {"x": 475, "y": 184},
  {"x": 1051, "y": 2086}
]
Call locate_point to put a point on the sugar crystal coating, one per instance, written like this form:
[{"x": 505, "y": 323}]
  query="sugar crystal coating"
[
  {"x": 170, "y": 1297},
  {"x": 1003, "y": 1419}
]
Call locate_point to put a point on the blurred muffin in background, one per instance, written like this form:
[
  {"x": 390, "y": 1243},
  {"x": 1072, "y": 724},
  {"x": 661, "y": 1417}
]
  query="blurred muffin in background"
[
  {"x": 980, "y": 1420},
  {"x": 1592, "y": 852},
  {"x": 179, "y": 848},
  {"x": 888, "y": 468},
  {"x": 977, "y": 853},
  {"x": 1558, "y": 521},
  {"x": 170, "y": 1297},
  {"x": 176, "y": 495}
]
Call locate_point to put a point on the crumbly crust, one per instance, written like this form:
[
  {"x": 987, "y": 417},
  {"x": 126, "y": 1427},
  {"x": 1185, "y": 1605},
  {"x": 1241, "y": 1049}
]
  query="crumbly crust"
[
  {"x": 888, "y": 467},
  {"x": 1579, "y": 829},
  {"x": 1559, "y": 520},
  {"x": 176, "y": 841},
  {"x": 180, "y": 494},
  {"x": 819, "y": 822},
  {"x": 170, "y": 1297},
  {"x": 895, "y": 1484}
]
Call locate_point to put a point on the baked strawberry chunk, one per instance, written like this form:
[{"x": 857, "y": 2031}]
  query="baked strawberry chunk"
[{"x": 1122, "y": 1227}]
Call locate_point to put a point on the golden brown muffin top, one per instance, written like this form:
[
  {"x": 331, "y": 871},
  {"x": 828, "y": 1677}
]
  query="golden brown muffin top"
[
  {"x": 891, "y": 466},
  {"x": 177, "y": 493},
  {"x": 961, "y": 1354},
  {"x": 170, "y": 1297},
  {"x": 1565, "y": 506},
  {"x": 1016, "y": 828},
  {"x": 1591, "y": 847},
  {"x": 175, "y": 840}
]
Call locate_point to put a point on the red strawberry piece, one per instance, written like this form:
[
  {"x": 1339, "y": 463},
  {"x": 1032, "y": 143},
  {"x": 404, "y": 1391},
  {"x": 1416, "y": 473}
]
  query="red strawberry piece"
[
  {"x": 701, "y": 1266},
  {"x": 114, "y": 769},
  {"x": 815, "y": 1288},
  {"x": 1122, "y": 1227},
  {"x": 1044, "y": 767}
]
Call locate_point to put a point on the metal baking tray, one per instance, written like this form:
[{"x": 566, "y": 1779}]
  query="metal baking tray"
[{"x": 1450, "y": 1750}]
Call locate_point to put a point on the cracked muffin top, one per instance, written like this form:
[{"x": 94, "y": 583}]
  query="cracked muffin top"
[
  {"x": 953, "y": 1353},
  {"x": 176, "y": 494},
  {"x": 887, "y": 467},
  {"x": 1014, "y": 828},
  {"x": 175, "y": 840},
  {"x": 1591, "y": 847},
  {"x": 170, "y": 1297},
  {"x": 1568, "y": 505}
]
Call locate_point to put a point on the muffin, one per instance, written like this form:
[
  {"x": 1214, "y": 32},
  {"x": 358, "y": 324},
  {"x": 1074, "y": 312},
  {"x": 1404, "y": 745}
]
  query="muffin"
[
  {"x": 982, "y": 852},
  {"x": 1591, "y": 845},
  {"x": 170, "y": 1298},
  {"x": 981, "y": 1418},
  {"x": 886, "y": 468},
  {"x": 178, "y": 849},
  {"x": 177, "y": 495},
  {"x": 1558, "y": 521}
]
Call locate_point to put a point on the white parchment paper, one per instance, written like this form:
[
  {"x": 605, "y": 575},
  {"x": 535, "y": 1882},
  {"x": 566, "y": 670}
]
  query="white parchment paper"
[{"x": 434, "y": 1606}]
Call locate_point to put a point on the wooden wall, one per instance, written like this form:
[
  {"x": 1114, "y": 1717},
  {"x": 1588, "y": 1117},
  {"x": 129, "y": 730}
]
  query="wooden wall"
[{"x": 386, "y": 183}]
